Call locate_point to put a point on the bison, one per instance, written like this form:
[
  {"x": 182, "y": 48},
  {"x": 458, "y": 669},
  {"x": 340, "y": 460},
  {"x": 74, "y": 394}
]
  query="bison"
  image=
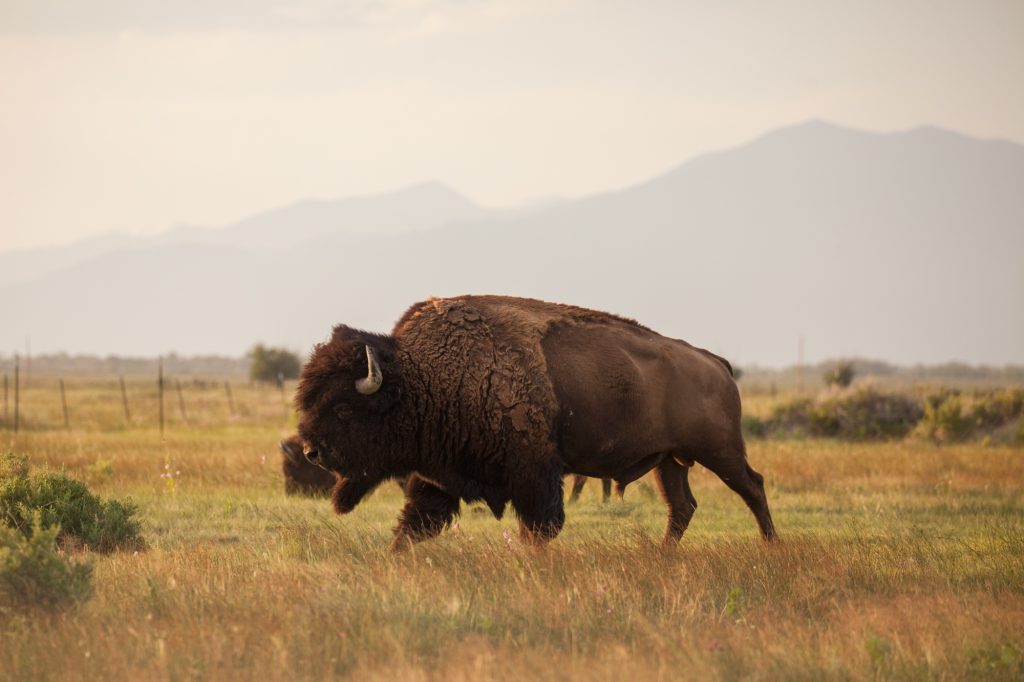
[
  {"x": 301, "y": 477},
  {"x": 579, "y": 481},
  {"x": 495, "y": 398}
]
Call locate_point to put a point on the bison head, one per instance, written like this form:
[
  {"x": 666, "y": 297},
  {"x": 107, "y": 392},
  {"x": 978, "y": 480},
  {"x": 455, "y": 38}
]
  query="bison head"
[{"x": 347, "y": 397}]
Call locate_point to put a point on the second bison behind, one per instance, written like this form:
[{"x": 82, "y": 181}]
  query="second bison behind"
[{"x": 496, "y": 398}]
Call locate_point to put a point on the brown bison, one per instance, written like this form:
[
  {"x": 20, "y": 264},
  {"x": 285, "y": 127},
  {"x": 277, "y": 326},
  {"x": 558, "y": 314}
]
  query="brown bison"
[
  {"x": 579, "y": 481},
  {"x": 301, "y": 477},
  {"x": 495, "y": 398}
]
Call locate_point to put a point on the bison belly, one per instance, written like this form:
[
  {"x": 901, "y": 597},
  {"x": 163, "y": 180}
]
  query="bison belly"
[{"x": 627, "y": 394}]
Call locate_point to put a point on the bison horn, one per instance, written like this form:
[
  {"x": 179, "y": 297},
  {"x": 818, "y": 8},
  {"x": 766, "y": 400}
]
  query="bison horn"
[{"x": 370, "y": 384}]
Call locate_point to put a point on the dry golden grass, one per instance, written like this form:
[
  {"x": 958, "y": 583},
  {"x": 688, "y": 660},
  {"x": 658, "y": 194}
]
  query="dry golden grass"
[{"x": 901, "y": 560}]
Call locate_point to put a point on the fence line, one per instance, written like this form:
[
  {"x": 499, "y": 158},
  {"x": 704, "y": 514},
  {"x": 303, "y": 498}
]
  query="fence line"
[
  {"x": 124, "y": 401},
  {"x": 64, "y": 404},
  {"x": 160, "y": 389},
  {"x": 103, "y": 402},
  {"x": 181, "y": 401},
  {"x": 17, "y": 413},
  {"x": 227, "y": 387}
]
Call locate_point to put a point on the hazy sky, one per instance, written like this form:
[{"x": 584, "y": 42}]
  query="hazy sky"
[{"x": 138, "y": 114}]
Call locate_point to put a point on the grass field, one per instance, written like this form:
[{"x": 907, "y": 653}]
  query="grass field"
[{"x": 897, "y": 561}]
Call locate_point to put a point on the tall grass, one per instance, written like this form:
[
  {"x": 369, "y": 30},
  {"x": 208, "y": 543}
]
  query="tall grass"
[{"x": 897, "y": 560}]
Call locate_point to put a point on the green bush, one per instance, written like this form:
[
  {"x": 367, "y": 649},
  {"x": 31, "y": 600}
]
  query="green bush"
[
  {"x": 272, "y": 364},
  {"x": 59, "y": 501},
  {"x": 34, "y": 574},
  {"x": 997, "y": 408},
  {"x": 951, "y": 417},
  {"x": 12, "y": 466},
  {"x": 944, "y": 419},
  {"x": 793, "y": 418},
  {"x": 840, "y": 375},
  {"x": 753, "y": 427},
  {"x": 863, "y": 413}
]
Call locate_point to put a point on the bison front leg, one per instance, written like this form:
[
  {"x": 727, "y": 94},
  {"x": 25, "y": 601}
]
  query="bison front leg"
[
  {"x": 539, "y": 505},
  {"x": 674, "y": 482},
  {"x": 428, "y": 511}
]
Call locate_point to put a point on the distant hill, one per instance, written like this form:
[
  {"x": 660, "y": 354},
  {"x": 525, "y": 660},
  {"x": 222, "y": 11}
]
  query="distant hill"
[
  {"x": 419, "y": 207},
  {"x": 412, "y": 209},
  {"x": 904, "y": 246}
]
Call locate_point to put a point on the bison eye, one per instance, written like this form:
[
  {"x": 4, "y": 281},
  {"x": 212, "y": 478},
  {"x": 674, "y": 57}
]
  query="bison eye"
[{"x": 343, "y": 410}]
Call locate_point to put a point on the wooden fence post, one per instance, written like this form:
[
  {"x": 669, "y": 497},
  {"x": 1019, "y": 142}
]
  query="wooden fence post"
[
  {"x": 64, "y": 404},
  {"x": 17, "y": 397},
  {"x": 5, "y": 399},
  {"x": 231, "y": 400},
  {"x": 160, "y": 390},
  {"x": 181, "y": 401},
  {"x": 124, "y": 401}
]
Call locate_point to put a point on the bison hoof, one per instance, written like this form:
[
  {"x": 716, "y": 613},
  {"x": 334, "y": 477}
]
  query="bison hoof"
[{"x": 401, "y": 543}]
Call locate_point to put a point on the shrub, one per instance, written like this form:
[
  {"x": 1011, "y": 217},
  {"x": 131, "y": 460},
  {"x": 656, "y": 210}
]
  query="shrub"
[
  {"x": 753, "y": 427},
  {"x": 864, "y": 413},
  {"x": 34, "y": 574},
  {"x": 950, "y": 416},
  {"x": 944, "y": 420},
  {"x": 13, "y": 466},
  {"x": 793, "y": 418},
  {"x": 272, "y": 364},
  {"x": 840, "y": 375},
  {"x": 59, "y": 501},
  {"x": 997, "y": 408}
]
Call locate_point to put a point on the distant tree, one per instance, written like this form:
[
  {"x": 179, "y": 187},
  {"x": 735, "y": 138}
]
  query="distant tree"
[
  {"x": 737, "y": 373},
  {"x": 272, "y": 364},
  {"x": 840, "y": 375}
]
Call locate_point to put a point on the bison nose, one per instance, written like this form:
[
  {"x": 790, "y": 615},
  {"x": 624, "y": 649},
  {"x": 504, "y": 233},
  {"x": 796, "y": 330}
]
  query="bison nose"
[{"x": 313, "y": 456}]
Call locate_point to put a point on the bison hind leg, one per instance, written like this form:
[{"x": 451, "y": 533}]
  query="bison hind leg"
[{"x": 731, "y": 466}]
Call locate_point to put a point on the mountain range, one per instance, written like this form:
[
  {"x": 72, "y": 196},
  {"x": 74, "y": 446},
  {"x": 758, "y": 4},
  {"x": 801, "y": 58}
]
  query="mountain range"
[{"x": 907, "y": 246}]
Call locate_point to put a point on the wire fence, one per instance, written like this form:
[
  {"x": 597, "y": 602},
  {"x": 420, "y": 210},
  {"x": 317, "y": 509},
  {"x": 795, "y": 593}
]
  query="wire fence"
[{"x": 103, "y": 403}]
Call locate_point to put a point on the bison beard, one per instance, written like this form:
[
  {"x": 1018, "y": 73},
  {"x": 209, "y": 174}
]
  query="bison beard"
[
  {"x": 348, "y": 492},
  {"x": 497, "y": 398}
]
